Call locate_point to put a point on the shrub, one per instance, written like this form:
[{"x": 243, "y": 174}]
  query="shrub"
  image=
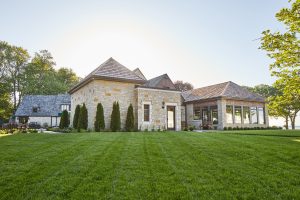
[
  {"x": 99, "y": 122},
  {"x": 185, "y": 129},
  {"x": 229, "y": 128},
  {"x": 64, "y": 120},
  {"x": 115, "y": 123},
  {"x": 225, "y": 128},
  {"x": 83, "y": 118},
  {"x": 76, "y": 116},
  {"x": 191, "y": 128},
  {"x": 129, "y": 119}
]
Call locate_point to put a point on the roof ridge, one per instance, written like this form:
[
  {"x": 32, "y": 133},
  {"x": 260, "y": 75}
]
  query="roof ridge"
[{"x": 225, "y": 88}]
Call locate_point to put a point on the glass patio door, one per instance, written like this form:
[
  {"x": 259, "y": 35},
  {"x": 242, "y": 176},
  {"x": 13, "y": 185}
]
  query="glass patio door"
[{"x": 171, "y": 117}]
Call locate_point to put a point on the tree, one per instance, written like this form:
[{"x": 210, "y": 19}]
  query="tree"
[
  {"x": 13, "y": 61},
  {"x": 263, "y": 90},
  {"x": 284, "y": 49},
  {"x": 115, "y": 123},
  {"x": 6, "y": 107},
  {"x": 64, "y": 120},
  {"x": 83, "y": 118},
  {"x": 67, "y": 77},
  {"x": 183, "y": 86},
  {"x": 99, "y": 122},
  {"x": 130, "y": 119},
  {"x": 76, "y": 116}
]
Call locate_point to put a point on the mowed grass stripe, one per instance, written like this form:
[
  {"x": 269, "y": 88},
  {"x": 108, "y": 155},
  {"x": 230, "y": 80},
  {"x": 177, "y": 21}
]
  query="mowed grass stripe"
[{"x": 77, "y": 170}]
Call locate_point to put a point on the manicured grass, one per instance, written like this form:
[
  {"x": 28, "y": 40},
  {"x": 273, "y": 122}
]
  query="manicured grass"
[{"x": 170, "y": 165}]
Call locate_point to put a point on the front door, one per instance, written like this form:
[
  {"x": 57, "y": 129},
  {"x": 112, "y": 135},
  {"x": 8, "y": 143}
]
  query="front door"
[{"x": 171, "y": 117}]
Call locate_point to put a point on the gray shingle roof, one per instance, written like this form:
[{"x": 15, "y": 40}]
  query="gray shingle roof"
[
  {"x": 111, "y": 70},
  {"x": 138, "y": 72},
  {"x": 227, "y": 90},
  {"x": 49, "y": 105},
  {"x": 161, "y": 82}
]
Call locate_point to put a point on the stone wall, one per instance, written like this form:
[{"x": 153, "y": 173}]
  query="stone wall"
[
  {"x": 158, "y": 110},
  {"x": 105, "y": 92}
]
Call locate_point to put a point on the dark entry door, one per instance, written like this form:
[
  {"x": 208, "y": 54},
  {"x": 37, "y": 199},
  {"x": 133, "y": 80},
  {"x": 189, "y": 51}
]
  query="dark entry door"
[{"x": 171, "y": 117}]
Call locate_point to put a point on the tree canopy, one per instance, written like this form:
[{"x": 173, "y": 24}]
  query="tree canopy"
[
  {"x": 284, "y": 49},
  {"x": 183, "y": 86}
]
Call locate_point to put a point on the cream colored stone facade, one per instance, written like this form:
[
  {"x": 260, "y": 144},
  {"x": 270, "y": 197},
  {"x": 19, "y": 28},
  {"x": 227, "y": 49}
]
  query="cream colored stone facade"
[
  {"x": 158, "y": 101},
  {"x": 107, "y": 92}
]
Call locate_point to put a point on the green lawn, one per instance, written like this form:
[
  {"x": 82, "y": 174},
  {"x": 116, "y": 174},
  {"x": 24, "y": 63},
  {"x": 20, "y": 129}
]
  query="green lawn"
[{"x": 169, "y": 165}]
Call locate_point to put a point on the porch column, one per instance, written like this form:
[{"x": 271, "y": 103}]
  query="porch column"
[
  {"x": 221, "y": 103},
  {"x": 266, "y": 115}
]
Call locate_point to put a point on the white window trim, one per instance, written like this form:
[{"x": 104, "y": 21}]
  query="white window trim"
[{"x": 150, "y": 112}]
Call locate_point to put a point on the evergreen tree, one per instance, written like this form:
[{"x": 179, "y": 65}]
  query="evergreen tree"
[
  {"x": 99, "y": 122},
  {"x": 64, "y": 120},
  {"x": 130, "y": 119},
  {"x": 118, "y": 118},
  {"x": 76, "y": 116},
  {"x": 115, "y": 117},
  {"x": 83, "y": 118}
]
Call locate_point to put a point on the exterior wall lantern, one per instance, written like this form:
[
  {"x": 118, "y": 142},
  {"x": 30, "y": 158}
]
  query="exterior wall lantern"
[{"x": 163, "y": 105}]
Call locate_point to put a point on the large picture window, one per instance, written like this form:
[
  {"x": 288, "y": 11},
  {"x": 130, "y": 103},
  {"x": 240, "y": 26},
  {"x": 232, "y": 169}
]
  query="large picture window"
[
  {"x": 146, "y": 112},
  {"x": 229, "y": 116},
  {"x": 246, "y": 115},
  {"x": 253, "y": 112},
  {"x": 214, "y": 115},
  {"x": 261, "y": 115},
  {"x": 205, "y": 115},
  {"x": 197, "y": 113},
  {"x": 237, "y": 114}
]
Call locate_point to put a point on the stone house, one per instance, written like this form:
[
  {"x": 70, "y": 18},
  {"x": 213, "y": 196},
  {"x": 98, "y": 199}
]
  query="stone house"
[
  {"x": 156, "y": 102},
  {"x": 43, "y": 109},
  {"x": 224, "y": 105}
]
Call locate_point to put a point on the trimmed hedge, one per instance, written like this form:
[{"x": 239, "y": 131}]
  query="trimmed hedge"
[
  {"x": 252, "y": 128},
  {"x": 83, "y": 118}
]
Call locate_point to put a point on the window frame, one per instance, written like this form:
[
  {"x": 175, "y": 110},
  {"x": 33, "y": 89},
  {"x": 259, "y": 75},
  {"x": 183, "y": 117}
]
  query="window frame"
[
  {"x": 198, "y": 112},
  {"x": 227, "y": 113},
  {"x": 149, "y": 112}
]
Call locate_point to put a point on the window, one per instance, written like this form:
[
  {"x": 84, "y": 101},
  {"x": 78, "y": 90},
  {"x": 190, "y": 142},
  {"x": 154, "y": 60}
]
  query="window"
[
  {"x": 229, "y": 115},
  {"x": 205, "y": 116},
  {"x": 197, "y": 113},
  {"x": 214, "y": 115},
  {"x": 35, "y": 108},
  {"x": 65, "y": 107},
  {"x": 146, "y": 112},
  {"x": 246, "y": 115},
  {"x": 261, "y": 115},
  {"x": 253, "y": 112},
  {"x": 237, "y": 114}
]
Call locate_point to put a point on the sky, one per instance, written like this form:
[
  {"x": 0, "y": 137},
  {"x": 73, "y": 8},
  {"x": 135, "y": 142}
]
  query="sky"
[{"x": 202, "y": 42}]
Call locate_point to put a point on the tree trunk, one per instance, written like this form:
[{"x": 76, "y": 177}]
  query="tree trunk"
[
  {"x": 286, "y": 122},
  {"x": 293, "y": 119}
]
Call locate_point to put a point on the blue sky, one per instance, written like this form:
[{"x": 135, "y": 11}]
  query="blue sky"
[{"x": 203, "y": 42}]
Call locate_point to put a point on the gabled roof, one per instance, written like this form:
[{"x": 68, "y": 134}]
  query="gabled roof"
[
  {"x": 139, "y": 73},
  {"x": 48, "y": 105},
  {"x": 227, "y": 90},
  {"x": 160, "y": 82},
  {"x": 110, "y": 70}
]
